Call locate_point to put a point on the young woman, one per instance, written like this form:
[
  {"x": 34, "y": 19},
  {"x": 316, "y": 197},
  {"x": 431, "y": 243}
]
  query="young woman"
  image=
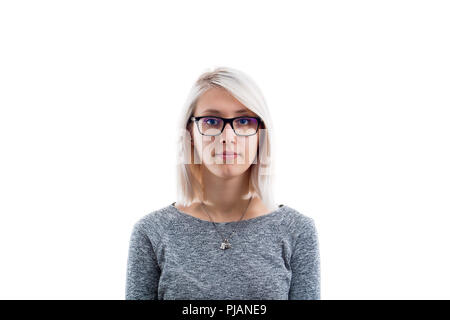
[{"x": 224, "y": 237}]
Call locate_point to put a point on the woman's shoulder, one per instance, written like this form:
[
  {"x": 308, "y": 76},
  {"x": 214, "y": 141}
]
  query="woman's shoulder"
[
  {"x": 297, "y": 222},
  {"x": 155, "y": 220}
]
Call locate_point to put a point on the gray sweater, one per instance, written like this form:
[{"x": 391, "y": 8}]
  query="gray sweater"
[{"x": 173, "y": 255}]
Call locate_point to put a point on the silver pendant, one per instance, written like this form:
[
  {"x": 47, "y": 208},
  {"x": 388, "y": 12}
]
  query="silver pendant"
[{"x": 225, "y": 245}]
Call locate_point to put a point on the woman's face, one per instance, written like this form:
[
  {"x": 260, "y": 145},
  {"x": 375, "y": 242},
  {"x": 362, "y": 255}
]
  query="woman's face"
[{"x": 209, "y": 149}]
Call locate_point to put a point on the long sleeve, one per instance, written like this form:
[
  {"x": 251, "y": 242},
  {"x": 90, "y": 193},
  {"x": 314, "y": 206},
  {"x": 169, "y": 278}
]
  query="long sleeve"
[
  {"x": 305, "y": 264},
  {"x": 142, "y": 268}
]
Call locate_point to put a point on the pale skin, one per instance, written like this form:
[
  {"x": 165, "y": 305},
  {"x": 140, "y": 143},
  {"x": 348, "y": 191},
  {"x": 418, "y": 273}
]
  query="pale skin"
[{"x": 226, "y": 181}]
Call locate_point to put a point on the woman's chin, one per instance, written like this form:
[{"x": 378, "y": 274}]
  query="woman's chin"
[{"x": 228, "y": 170}]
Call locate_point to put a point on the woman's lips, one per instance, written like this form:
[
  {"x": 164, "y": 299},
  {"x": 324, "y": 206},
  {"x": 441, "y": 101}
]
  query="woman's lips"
[{"x": 229, "y": 155}]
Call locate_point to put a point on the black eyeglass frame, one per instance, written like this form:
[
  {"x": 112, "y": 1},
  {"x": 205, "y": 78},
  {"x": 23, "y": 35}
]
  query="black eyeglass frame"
[{"x": 225, "y": 121}]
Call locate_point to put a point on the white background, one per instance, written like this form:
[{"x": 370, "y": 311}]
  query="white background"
[{"x": 358, "y": 92}]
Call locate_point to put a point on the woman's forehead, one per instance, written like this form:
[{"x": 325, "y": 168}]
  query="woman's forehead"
[{"x": 220, "y": 102}]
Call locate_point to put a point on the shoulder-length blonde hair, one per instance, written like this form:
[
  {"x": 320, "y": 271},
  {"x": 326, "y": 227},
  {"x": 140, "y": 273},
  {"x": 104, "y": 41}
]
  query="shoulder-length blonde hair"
[{"x": 245, "y": 90}]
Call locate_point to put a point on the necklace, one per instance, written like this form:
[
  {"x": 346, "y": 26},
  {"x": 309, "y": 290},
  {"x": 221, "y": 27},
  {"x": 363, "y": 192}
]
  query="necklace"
[{"x": 225, "y": 243}]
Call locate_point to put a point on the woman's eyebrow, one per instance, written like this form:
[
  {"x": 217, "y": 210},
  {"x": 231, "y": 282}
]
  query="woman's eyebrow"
[{"x": 218, "y": 112}]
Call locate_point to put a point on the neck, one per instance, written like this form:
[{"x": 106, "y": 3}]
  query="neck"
[{"x": 225, "y": 198}]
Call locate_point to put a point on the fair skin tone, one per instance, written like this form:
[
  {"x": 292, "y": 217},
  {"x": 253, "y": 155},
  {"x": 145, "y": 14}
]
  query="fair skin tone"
[{"x": 225, "y": 180}]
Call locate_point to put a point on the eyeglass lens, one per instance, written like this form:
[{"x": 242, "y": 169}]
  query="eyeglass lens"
[{"x": 242, "y": 126}]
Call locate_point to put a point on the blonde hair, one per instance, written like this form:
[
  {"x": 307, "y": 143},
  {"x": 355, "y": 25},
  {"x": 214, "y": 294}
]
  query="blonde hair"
[{"x": 245, "y": 90}]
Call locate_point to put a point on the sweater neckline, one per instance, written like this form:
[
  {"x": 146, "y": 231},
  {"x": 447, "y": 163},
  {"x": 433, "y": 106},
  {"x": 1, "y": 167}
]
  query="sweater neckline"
[{"x": 187, "y": 216}]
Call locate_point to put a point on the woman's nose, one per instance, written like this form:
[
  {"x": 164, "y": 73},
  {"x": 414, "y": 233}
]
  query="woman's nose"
[{"x": 228, "y": 132}]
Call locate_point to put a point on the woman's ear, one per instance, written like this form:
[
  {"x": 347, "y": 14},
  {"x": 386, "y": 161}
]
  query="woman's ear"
[{"x": 191, "y": 136}]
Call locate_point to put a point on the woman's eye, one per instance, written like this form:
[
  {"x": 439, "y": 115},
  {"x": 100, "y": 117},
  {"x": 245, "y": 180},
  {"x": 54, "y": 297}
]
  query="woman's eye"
[
  {"x": 243, "y": 121},
  {"x": 213, "y": 123}
]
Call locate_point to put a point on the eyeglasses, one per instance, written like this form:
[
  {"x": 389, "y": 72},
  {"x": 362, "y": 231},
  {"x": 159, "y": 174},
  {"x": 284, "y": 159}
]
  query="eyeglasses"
[{"x": 213, "y": 126}]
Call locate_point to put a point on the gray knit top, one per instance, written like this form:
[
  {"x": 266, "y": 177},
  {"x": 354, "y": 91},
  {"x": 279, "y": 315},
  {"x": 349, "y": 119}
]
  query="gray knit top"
[{"x": 174, "y": 255}]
